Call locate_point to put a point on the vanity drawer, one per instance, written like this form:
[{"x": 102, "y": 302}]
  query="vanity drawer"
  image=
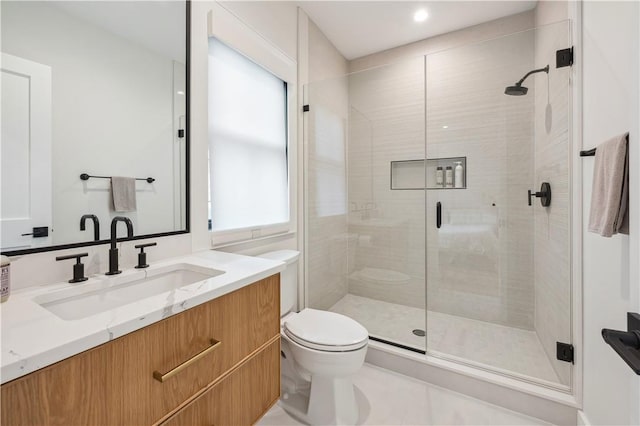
[
  {"x": 227, "y": 403},
  {"x": 114, "y": 383},
  {"x": 241, "y": 322}
]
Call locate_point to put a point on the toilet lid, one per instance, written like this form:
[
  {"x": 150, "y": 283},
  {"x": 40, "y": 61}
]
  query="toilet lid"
[{"x": 326, "y": 331}]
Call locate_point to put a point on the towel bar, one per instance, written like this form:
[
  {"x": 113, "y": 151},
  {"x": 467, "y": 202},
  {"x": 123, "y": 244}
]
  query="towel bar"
[
  {"x": 591, "y": 152},
  {"x": 85, "y": 176}
]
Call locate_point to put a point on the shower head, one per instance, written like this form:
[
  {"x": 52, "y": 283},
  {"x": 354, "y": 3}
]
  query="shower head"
[{"x": 518, "y": 89}]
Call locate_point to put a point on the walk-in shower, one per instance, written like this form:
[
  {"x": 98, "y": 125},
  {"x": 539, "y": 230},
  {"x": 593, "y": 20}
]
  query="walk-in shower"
[{"x": 417, "y": 219}]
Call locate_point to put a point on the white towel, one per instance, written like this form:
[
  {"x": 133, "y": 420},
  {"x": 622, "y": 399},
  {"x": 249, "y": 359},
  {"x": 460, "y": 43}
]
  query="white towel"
[
  {"x": 610, "y": 192},
  {"x": 123, "y": 190}
]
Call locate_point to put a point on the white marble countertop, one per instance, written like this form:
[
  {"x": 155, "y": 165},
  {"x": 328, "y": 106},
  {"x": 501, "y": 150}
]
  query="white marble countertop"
[{"x": 33, "y": 337}]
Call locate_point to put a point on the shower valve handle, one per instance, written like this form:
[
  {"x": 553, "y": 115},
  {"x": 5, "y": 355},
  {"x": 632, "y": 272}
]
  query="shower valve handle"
[{"x": 544, "y": 194}]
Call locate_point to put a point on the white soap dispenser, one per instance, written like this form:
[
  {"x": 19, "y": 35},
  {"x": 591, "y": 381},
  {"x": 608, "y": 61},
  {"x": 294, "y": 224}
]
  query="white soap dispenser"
[
  {"x": 459, "y": 175},
  {"x": 5, "y": 279}
]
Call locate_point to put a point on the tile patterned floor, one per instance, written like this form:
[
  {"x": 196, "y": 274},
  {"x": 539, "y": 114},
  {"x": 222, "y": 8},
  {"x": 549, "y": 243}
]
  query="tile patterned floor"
[
  {"x": 494, "y": 345},
  {"x": 388, "y": 398}
]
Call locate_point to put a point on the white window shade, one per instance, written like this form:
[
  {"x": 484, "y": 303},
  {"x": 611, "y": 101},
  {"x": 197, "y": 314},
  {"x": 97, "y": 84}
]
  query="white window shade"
[
  {"x": 331, "y": 179},
  {"x": 247, "y": 142}
]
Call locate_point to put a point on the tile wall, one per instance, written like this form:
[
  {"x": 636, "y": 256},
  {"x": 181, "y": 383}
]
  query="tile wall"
[
  {"x": 386, "y": 227},
  {"x": 325, "y": 172},
  {"x": 480, "y": 262}
]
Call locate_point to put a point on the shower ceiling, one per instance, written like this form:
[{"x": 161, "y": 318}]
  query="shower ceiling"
[{"x": 359, "y": 28}]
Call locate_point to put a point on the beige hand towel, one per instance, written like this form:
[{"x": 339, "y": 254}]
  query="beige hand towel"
[
  {"x": 610, "y": 192},
  {"x": 123, "y": 190}
]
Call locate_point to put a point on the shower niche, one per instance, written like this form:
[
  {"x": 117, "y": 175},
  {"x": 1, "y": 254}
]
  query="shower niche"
[{"x": 432, "y": 173}]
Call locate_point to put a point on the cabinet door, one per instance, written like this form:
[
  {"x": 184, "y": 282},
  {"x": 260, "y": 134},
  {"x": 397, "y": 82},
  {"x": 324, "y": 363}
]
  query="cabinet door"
[
  {"x": 114, "y": 383},
  {"x": 241, "y": 398}
]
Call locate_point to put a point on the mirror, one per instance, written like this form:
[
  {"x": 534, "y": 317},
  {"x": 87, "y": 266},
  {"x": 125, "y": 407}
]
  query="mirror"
[{"x": 92, "y": 90}]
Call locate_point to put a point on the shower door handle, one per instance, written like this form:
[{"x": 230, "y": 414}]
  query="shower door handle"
[{"x": 438, "y": 215}]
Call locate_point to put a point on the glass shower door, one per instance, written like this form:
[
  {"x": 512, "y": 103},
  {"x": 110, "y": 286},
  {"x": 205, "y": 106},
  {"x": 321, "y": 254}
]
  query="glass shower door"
[
  {"x": 365, "y": 210},
  {"x": 498, "y": 269}
]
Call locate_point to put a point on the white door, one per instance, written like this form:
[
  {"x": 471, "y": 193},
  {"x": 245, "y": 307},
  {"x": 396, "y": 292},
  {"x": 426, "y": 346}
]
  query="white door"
[{"x": 25, "y": 89}]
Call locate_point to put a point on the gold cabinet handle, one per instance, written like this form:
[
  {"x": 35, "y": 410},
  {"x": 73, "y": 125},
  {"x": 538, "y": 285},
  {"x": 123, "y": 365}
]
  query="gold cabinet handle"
[{"x": 163, "y": 377}]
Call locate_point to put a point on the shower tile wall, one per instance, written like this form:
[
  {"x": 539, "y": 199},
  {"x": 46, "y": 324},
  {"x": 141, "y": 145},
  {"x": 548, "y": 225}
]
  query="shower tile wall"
[
  {"x": 552, "y": 233},
  {"x": 480, "y": 262},
  {"x": 326, "y": 204},
  {"x": 386, "y": 227}
]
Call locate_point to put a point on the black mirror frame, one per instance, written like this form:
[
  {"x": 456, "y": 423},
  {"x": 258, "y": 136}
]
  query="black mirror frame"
[{"x": 187, "y": 168}]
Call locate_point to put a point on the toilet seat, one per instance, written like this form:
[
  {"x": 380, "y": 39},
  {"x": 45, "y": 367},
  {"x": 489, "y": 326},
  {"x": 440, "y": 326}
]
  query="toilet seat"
[{"x": 325, "y": 331}]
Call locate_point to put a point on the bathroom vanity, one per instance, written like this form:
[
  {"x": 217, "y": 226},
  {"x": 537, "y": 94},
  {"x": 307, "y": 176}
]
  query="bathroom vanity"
[{"x": 204, "y": 353}]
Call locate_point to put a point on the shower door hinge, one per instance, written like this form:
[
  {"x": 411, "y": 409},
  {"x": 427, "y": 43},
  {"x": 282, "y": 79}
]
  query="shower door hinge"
[
  {"x": 305, "y": 108},
  {"x": 564, "y": 352},
  {"x": 564, "y": 57}
]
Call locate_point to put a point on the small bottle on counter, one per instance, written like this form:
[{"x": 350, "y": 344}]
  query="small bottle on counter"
[
  {"x": 439, "y": 177},
  {"x": 459, "y": 175},
  {"x": 448, "y": 177},
  {"x": 5, "y": 281}
]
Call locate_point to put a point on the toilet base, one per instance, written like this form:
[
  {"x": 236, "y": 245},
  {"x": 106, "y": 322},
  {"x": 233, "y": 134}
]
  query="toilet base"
[{"x": 331, "y": 401}]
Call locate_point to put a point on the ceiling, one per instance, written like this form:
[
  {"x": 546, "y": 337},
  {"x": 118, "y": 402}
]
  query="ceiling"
[{"x": 359, "y": 28}]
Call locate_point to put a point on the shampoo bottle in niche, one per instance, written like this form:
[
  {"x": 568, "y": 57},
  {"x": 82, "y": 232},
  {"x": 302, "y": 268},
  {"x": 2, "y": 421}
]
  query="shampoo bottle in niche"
[
  {"x": 5, "y": 279},
  {"x": 439, "y": 177},
  {"x": 459, "y": 175},
  {"x": 448, "y": 177}
]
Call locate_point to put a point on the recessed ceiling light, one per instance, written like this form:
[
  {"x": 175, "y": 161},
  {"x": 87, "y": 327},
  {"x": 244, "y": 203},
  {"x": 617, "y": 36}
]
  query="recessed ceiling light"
[
  {"x": 180, "y": 92},
  {"x": 445, "y": 127},
  {"x": 420, "y": 15}
]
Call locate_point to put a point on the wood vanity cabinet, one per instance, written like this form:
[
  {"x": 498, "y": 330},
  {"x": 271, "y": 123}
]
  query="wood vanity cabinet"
[{"x": 223, "y": 360}]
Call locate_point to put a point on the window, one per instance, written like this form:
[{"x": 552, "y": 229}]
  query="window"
[
  {"x": 248, "y": 169},
  {"x": 331, "y": 192}
]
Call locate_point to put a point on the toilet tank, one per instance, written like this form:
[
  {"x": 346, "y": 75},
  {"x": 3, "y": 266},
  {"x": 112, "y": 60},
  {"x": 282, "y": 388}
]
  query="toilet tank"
[{"x": 288, "y": 277}]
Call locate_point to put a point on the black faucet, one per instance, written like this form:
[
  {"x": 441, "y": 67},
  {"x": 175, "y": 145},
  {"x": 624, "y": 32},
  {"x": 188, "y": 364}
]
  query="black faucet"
[
  {"x": 113, "y": 251},
  {"x": 96, "y": 225}
]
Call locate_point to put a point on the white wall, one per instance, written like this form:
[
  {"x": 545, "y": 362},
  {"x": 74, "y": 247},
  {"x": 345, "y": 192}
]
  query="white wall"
[
  {"x": 611, "y": 56},
  {"x": 112, "y": 115}
]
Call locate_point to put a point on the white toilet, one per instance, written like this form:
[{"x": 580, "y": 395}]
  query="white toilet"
[{"x": 320, "y": 352}]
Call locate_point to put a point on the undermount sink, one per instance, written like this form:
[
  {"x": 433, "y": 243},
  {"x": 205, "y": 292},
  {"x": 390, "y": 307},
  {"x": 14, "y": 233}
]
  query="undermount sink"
[{"x": 101, "y": 295}]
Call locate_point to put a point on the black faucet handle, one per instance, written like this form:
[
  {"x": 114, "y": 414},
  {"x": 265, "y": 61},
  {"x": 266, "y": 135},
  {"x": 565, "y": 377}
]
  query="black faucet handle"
[
  {"x": 78, "y": 268},
  {"x": 142, "y": 246},
  {"x": 142, "y": 256}
]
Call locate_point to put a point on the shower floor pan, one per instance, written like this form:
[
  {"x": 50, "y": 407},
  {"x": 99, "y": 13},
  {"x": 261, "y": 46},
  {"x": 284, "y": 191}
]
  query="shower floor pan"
[{"x": 506, "y": 348}]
